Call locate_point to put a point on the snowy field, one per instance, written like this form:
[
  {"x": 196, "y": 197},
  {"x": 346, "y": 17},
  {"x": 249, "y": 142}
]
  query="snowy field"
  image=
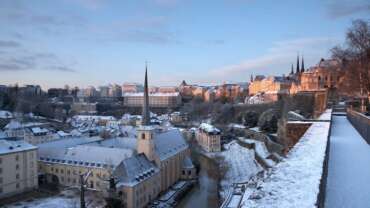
[
  {"x": 241, "y": 165},
  {"x": 66, "y": 199}
]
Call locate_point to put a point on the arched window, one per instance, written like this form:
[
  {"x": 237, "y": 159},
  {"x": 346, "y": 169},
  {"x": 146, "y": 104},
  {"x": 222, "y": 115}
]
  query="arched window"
[
  {"x": 319, "y": 78},
  {"x": 143, "y": 136}
]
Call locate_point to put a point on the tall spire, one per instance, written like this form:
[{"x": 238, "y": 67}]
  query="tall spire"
[
  {"x": 251, "y": 78},
  {"x": 146, "y": 114},
  {"x": 297, "y": 69},
  {"x": 292, "y": 70},
  {"x": 302, "y": 67}
]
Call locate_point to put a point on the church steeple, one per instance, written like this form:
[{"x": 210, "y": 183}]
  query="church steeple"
[
  {"x": 146, "y": 113},
  {"x": 292, "y": 70},
  {"x": 302, "y": 67},
  {"x": 297, "y": 68}
]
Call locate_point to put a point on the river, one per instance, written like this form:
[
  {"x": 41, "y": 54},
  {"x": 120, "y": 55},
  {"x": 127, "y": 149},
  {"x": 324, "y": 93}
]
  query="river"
[{"x": 205, "y": 193}]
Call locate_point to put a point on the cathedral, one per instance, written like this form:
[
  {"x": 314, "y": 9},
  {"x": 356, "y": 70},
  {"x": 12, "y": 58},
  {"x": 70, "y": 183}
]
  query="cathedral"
[{"x": 163, "y": 158}]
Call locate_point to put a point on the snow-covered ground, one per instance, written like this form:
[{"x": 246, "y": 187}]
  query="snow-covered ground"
[
  {"x": 294, "y": 182},
  {"x": 261, "y": 150},
  {"x": 348, "y": 183},
  {"x": 66, "y": 199},
  {"x": 241, "y": 165}
]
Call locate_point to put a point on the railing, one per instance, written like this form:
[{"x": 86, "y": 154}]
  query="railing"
[{"x": 361, "y": 123}]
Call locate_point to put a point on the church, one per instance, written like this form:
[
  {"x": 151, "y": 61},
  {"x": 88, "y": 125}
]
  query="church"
[{"x": 163, "y": 158}]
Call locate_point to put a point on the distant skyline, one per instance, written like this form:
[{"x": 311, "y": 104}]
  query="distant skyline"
[{"x": 97, "y": 42}]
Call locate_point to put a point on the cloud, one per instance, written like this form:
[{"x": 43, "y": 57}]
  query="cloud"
[
  {"x": 279, "y": 56},
  {"x": 9, "y": 44},
  {"x": 23, "y": 60},
  {"x": 152, "y": 29},
  {"x": 342, "y": 8},
  {"x": 61, "y": 68}
]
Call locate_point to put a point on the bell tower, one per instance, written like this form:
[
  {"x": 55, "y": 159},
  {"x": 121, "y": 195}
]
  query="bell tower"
[{"x": 145, "y": 132}]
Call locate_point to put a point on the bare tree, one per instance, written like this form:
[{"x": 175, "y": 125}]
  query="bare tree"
[{"x": 355, "y": 56}]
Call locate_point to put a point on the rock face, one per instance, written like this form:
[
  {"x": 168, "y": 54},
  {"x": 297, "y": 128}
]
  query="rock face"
[{"x": 268, "y": 121}]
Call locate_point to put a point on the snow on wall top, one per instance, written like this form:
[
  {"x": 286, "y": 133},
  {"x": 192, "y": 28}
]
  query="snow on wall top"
[{"x": 295, "y": 181}]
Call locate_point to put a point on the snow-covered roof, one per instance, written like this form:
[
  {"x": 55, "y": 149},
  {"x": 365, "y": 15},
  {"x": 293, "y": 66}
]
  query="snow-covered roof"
[
  {"x": 295, "y": 181},
  {"x": 10, "y": 146},
  {"x": 5, "y": 114},
  {"x": 134, "y": 170},
  {"x": 209, "y": 128},
  {"x": 118, "y": 142},
  {"x": 13, "y": 124},
  {"x": 89, "y": 117},
  {"x": 39, "y": 130},
  {"x": 169, "y": 143},
  {"x": 92, "y": 156}
]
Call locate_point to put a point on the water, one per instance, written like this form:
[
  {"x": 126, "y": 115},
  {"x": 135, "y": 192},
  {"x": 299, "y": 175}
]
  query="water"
[{"x": 205, "y": 193}]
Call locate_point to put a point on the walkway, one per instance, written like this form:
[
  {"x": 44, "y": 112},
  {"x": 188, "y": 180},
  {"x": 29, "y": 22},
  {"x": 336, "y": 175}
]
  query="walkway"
[{"x": 348, "y": 183}]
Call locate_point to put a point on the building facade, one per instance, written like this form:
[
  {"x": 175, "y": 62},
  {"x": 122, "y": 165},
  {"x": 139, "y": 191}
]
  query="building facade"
[
  {"x": 209, "y": 138},
  {"x": 156, "y": 100},
  {"x": 18, "y": 167}
]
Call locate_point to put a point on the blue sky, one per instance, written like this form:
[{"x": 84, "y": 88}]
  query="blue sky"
[{"x": 96, "y": 42}]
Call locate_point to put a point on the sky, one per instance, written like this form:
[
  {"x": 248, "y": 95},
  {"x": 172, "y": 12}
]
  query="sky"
[{"x": 97, "y": 42}]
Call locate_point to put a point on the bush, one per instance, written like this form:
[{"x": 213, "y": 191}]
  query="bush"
[
  {"x": 249, "y": 118},
  {"x": 268, "y": 121}
]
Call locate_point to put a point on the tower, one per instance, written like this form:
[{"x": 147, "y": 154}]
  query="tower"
[
  {"x": 251, "y": 78},
  {"x": 297, "y": 68},
  {"x": 145, "y": 132},
  {"x": 302, "y": 67}
]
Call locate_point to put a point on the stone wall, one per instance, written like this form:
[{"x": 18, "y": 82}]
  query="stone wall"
[
  {"x": 361, "y": 123},
  {"x": 270, "y": 145},
  {"x": 294, "y": 131}
]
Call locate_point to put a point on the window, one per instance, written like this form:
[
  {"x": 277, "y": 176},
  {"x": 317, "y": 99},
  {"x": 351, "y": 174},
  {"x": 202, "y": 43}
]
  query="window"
[
  {"x": 17, "y": 167},
  {"x": 1, "y": 190},
  {"x": 68, "y": 172},
  {"x": 1, "y": 170},
  {"x": 17, "y": 157},
  {"x": 17, "y": 176},
  {"x": 1, "y": 180},
  {"x": 62, "y": 171},
  {"x": 17, "y": 186},
  {"x": 1, "y": 160},
  {"x": 143, "y": 135}
]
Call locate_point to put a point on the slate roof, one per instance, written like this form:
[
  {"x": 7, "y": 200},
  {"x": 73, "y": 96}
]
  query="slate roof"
[
  {"x": 134, "y": 170},
  {"x": 169, "y": 143}
]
